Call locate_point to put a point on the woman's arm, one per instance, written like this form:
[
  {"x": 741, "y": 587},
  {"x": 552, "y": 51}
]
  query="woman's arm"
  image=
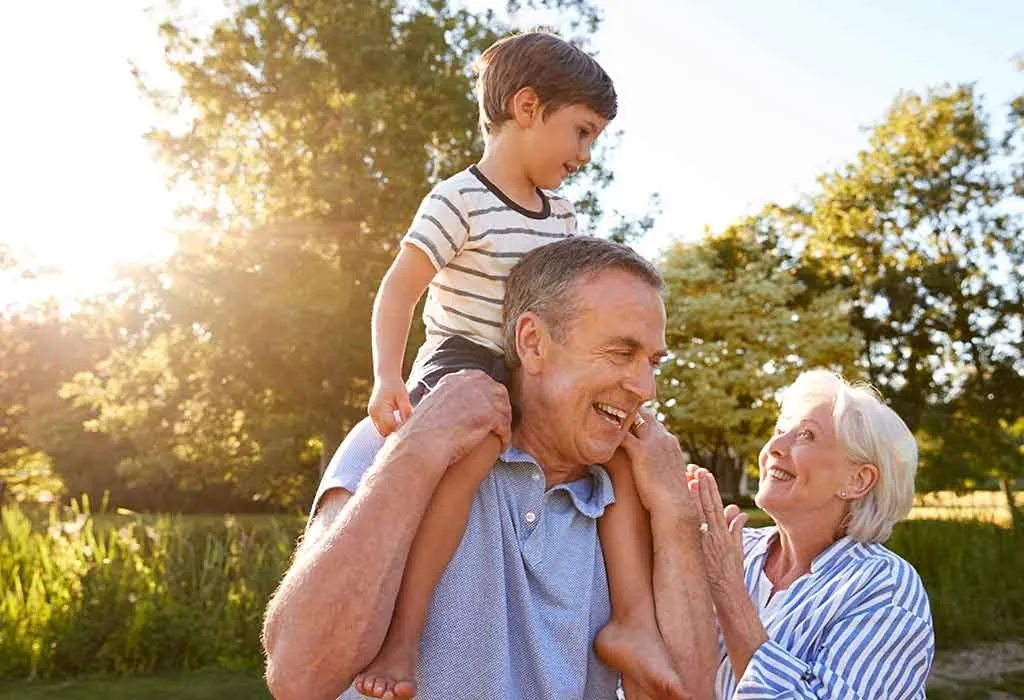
[{"x": 885, "y": 652}]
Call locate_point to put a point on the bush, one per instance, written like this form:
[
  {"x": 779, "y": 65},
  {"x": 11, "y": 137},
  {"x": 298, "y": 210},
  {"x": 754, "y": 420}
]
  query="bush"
[
  {"x": 972, "y": 572},
  {"x": 133, "y": 594}
]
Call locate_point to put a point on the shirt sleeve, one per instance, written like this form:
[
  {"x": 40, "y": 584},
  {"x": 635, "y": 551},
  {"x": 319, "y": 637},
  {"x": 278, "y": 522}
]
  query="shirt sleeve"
[
  {"x": 881, "y": 653},
  {"x": 441, "y": 225},
  {"x": 351, "y": 460}
]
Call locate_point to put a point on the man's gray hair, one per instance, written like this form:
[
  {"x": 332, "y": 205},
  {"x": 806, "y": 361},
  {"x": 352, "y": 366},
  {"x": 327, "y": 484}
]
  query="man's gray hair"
[{"x": 544, "y": 280}]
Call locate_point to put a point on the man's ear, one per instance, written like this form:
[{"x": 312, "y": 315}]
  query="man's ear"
[
  {"x": 525, "y": 107},
  {"x": 862, "y": 479},
  {"x": 531, "y": 341}
]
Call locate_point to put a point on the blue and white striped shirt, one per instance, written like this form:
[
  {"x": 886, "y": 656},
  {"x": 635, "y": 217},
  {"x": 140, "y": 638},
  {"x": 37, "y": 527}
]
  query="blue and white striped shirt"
[
  {"x": 516, "y": 611},
  {"x": 856, "y": 627}
]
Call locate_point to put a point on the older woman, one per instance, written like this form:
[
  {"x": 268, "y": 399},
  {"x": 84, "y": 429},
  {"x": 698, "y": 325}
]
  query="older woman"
[{"x": 816, "y": 607}]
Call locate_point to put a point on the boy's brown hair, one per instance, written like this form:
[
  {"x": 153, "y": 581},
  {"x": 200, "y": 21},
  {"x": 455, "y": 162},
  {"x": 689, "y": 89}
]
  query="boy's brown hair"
[{"x": 561, "y": 74}]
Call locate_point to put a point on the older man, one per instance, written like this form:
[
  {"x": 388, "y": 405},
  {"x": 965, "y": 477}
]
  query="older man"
[{"x": 517, "y": 609}]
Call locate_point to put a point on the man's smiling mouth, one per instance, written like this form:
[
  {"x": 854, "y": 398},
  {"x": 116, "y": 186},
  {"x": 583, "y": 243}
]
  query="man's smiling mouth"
[{"x": 611, "y": 413}]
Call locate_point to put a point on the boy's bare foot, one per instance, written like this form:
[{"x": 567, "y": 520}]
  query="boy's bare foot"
[
  {"x": 390, "y": 676},
  {"x": 641, "y": 655}
]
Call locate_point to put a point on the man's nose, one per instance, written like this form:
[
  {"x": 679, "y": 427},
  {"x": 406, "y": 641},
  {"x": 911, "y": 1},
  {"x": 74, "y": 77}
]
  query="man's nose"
[{"x": 641, "y": 382}]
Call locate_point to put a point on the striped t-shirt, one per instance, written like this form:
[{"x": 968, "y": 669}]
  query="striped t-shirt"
[
  {"x": 474, "y": 234},
  {"x": 856, "y": 627}
]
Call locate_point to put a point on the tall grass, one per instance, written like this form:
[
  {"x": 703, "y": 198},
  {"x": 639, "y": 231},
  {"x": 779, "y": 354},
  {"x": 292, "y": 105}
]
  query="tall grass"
[
  {"x": 974, "y": 575},
  {"x": 132, "y": 595},
  {"x": 146, "y": 594}
]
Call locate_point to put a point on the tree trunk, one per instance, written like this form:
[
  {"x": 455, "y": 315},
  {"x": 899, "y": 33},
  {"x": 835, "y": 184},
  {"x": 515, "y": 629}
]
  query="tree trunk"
[{"x": 1006, "y": 486}]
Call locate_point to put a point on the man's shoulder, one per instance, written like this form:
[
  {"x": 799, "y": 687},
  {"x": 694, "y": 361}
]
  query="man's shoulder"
[{"x": 351, "y": 460}]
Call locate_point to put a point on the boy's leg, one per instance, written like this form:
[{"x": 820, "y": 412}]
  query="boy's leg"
[
  {"x": 392, "y": 674},
  {"x": 631, "y": 641}
]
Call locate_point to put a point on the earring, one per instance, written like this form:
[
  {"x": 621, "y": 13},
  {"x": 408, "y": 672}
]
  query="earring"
[{"x": 842, "y": 494}]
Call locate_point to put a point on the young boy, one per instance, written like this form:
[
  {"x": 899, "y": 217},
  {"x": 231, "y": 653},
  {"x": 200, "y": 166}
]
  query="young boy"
[{"x": 543, "y": 102}]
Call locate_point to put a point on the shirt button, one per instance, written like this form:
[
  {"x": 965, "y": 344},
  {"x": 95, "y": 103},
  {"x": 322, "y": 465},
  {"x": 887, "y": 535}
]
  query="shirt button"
[
  {"x": 531, "y": 516},
  {"x": 536, "y": 476}
]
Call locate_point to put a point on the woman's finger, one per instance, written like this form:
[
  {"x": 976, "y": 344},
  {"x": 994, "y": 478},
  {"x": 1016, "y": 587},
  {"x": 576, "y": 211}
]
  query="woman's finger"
[
  {"x": 716, "y": 496},
  {"x": 711, "y": 501},
  {"x": 736, "y": 529}
]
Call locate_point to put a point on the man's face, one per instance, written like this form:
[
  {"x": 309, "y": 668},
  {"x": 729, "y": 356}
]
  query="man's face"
[
  {"x": 559, "y": 143},
  {"x": 593, "y": 382}
]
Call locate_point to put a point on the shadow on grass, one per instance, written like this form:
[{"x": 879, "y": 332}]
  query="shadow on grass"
[
  {"x": 980, "y": 689},
  {"x": 198, "y": 685}
]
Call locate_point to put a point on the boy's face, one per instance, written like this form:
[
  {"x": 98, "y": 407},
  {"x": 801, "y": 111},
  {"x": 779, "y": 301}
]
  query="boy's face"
[{"x": 557, "y": 144}]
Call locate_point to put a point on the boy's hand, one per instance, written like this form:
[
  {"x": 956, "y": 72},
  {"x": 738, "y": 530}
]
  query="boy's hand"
[{"x": 389, "y": 405}]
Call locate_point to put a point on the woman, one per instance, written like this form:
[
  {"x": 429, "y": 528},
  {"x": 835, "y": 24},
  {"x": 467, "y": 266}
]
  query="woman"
[{"x": 816, "y": 607}]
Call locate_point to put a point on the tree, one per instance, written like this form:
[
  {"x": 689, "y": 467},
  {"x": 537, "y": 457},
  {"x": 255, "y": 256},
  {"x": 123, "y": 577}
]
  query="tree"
[
  {"x": 917, "y": 230},
  {"x": 309, "y": 131},
  {"x": 741, "y": 326}
]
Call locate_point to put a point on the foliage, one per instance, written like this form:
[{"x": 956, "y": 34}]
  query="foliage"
[
  {"x": 917, "y": 229},
  {"x": 308, "y": 152},
  {"x": 741, "y": 326},
  {"x": 129, "y": 594},
  {"x": 123, "y": 594}
]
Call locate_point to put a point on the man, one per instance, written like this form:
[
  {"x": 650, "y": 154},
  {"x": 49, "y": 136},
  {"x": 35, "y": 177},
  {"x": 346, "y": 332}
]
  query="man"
[{"x": 516, "y": 611}]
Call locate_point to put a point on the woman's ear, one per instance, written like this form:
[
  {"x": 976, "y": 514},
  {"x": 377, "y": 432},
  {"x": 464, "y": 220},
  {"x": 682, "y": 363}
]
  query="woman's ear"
[
  {"x": 531, "y": 341},
  {"x": 862, "y": 479}
]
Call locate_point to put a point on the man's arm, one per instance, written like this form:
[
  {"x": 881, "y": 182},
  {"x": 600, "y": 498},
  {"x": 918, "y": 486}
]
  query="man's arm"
[
  {"x": 328, "y": 617},
  {"x": 683, "y": 602},
  {"x": 682, "y": 598}
]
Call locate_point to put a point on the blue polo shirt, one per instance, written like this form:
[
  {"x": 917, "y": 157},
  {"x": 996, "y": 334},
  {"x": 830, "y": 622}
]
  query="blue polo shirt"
[{"x": 516, "y": 611}]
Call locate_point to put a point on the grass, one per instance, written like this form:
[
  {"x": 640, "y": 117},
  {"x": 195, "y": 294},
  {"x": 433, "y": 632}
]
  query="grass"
[
  {"x": 198, "y": 685},
  {"x": 980, "y": 689},
  {"x": 135, "y": 597}
]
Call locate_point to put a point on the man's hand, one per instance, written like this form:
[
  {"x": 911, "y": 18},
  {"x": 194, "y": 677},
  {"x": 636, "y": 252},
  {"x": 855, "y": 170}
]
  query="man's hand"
[
  {"x": 659, "y": 469},
  {"x": 458, "y": 413}
]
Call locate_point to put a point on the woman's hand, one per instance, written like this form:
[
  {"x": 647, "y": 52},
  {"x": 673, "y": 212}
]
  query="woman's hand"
[
  {"x": 659, "y": 470},
  {"x": 722, "y": 542}
]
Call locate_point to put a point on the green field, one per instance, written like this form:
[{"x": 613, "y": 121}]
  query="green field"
[
  {"x": 199, "y": 685},
  {"x": 129, "y": 606}
]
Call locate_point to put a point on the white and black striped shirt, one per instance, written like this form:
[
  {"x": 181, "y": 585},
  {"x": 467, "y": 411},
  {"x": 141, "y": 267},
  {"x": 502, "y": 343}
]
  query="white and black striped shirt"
[
  {"x": 857, "y": 627},
  {"x": 474, "y": 234}
]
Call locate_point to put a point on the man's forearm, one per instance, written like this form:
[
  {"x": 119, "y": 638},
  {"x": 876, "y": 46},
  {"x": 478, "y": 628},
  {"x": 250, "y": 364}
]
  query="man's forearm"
[
  {"x": 683, "y": 602},
  {"x": 328, "y": 618}
]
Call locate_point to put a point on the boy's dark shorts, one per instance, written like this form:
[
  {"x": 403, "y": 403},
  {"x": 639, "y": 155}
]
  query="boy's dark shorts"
[{"x": 453, "y": 354}]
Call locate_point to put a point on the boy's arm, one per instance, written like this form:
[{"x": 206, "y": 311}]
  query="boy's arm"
[{"x": 400, "y": 290}]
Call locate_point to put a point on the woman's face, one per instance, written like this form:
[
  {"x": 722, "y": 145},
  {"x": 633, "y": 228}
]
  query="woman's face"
[{"x": 803, "y": 467}]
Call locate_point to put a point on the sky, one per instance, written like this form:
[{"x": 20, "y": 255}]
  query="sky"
[{"x": 724, "y": 107}]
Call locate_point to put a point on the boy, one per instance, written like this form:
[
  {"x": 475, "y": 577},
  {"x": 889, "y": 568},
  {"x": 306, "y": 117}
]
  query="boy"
[{"x": 543, "y": 102}]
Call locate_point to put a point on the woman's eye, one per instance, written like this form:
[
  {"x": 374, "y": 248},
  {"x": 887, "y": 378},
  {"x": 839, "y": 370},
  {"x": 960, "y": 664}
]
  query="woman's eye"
[{"x": 805, "y": 435}]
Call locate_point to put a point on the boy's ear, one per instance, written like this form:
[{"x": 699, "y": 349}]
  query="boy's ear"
[
  {"x": 531, "y": 341},
  {"x": 525, "y": 107}
]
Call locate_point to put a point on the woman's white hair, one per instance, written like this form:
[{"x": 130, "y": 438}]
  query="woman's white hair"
[{"x": 871, "y": 433}]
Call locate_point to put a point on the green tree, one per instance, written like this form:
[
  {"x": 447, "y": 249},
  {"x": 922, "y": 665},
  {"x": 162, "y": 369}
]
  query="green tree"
[
  {"x": 917, "y": 229},
  {"x": 742, "y": 325},
  {"x": 309, "y": 131}
]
